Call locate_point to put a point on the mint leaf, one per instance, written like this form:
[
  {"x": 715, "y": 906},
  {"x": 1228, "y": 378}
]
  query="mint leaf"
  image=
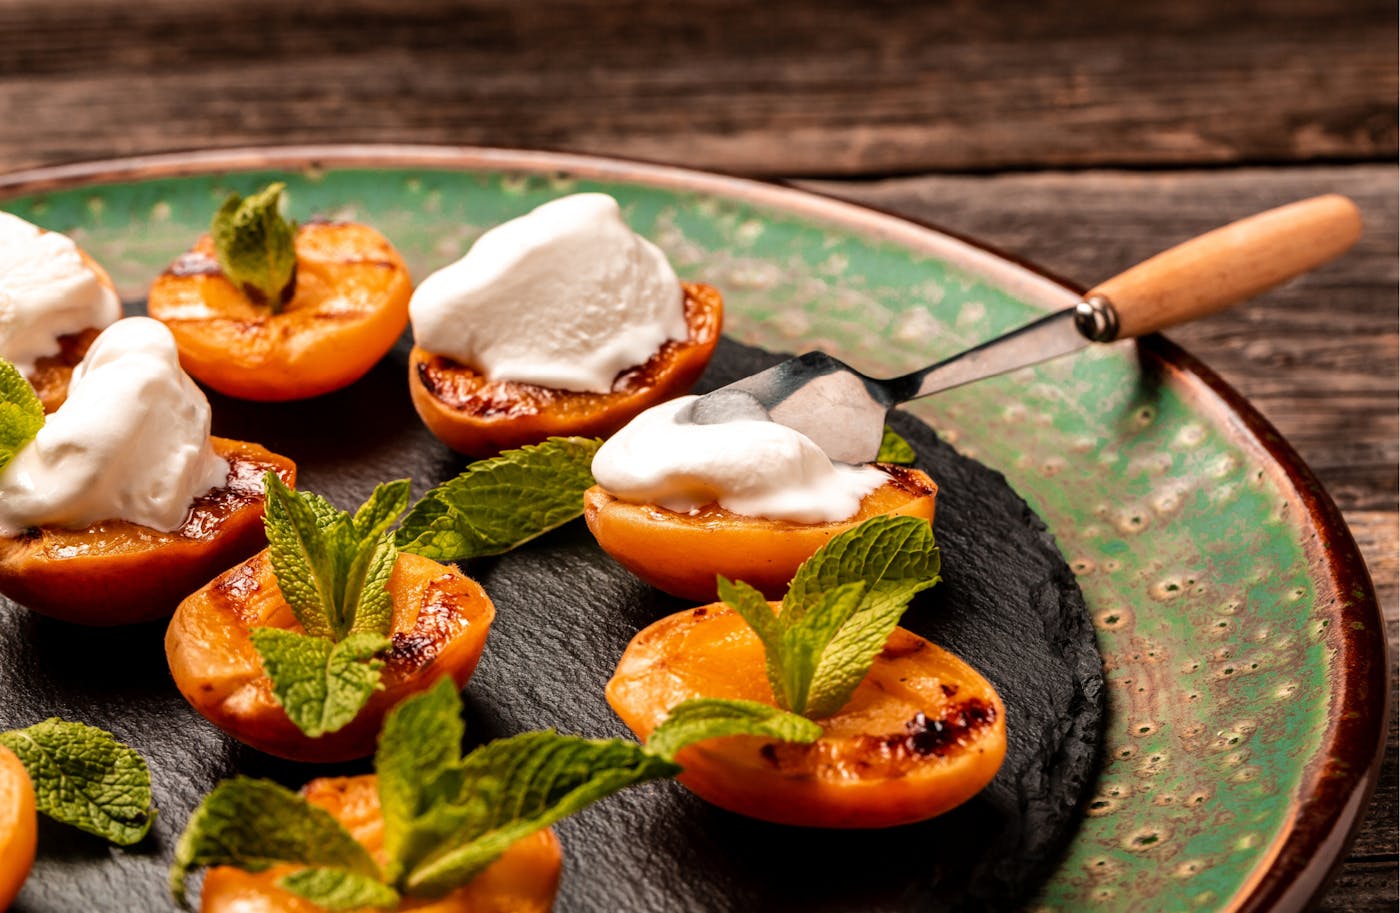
[
  {"x": 894, "y": 556},
  {"x": 512, "y": 788},
  {"x": 500, "y": 503},
  {"x": 254, "y": 824},
  {"x": 385, "y": 503},
  {"x": 256, "y": 247},
  {"x": 301, "y": 557},
  {"x": 704, "y": 718},
  {"x": 21, "y": 413},
  {"x": 337, "y": 890},
  {"x": 320, "y": 684},
  {"x": 421, "y": 738},
  {"x": 84, "y": 777},
  {"x": 838, "y": 612},
  {"x": 367, "y": 585},
  {"x": 805, "y": 639},
  {"x": 895, "y": 449}
]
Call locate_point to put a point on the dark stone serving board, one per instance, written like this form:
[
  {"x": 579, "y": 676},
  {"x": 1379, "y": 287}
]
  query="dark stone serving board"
[{"x": 1008, "y": 605}]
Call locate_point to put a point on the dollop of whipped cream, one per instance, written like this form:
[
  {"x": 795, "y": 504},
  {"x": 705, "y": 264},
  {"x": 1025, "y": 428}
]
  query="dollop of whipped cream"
[
  {"x": 566, "y": 296},
  {"x": 750, "y": 466},
  {"x": 46, "y": 291},
  {"x": 131, "y": 442}
]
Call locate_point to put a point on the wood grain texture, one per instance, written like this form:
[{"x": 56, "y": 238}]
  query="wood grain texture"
[
  {"x": 784, "y": 87},
  {"x": 1317, "y": 356}
]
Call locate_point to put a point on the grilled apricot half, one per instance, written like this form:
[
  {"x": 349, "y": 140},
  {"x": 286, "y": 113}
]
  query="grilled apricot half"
[
  {"x": 922, "y": 733},
  {"x": 349, "y": 308},
  {"x": 681, "y": 553},
  {"x": 116, "y": 572},
  {"x": 481, "y": 417},
  {"x": 440, "y": 619},
  {"x": 18, "y": 826},
  {"x": 523, "y": 880}
]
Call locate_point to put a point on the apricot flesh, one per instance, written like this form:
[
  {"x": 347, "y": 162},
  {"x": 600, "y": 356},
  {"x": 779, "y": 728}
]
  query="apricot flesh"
[
  {"x": 481, "y": 417},
  {"x": 523, "y": 880},
  {"x": 439, "y": 622},
  {"x": 18, "y": 826},
  {"x": 349, "y": 307},
  {"x": 923, "y": 733},
  {"x": 681, "y": 553},
  {"x": 116, "y": 572}
]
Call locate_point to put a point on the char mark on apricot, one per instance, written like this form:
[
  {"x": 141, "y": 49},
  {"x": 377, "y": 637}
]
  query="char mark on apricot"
[
  {"x": 907, "y": 479},
  {"x": 924, "y": 736},
  {"x": 411, "y": 651},
  {"x": 905, "y": 647}
]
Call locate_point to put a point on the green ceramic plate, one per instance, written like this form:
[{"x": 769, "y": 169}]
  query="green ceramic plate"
[{"x": 1242, "y": 643}]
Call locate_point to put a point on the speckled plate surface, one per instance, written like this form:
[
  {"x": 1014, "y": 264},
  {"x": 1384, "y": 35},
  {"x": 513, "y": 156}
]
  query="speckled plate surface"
[{"x": 1242, "y": 643}]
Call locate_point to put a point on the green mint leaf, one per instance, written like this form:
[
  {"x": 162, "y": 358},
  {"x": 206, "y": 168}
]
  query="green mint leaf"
[
  {"x": 502, "y": 502},
  {"x": 367, "y": 585},
  {"x": 84, "y": 777},
  {"x": 337, "y": 890},
  {"x": 301, "y": 557},
  {"x": 21, "y": 413},
  {"x": 805, "y": 639},
  {"x": 256, "y": 247},
  {"x": 839, "y": 610},
  {"x": 896, "y": 559},
  {"x": 321, "y": 685},
  {"x": 513, "y": 787},
  {"x": 385, "y": 504},
  {"x": 334, "y": 569},
  {"x": 421, "y": 738},
  {"x": 895, "y": 449},
  {"x": 254, "y": 824},
  {"x": 751, "y": 606},
  {"x": 704, "y": 718}
]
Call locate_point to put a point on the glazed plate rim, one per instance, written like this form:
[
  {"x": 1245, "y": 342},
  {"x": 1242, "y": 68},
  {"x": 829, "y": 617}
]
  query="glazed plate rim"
[{"x": 1338, "y": 780}]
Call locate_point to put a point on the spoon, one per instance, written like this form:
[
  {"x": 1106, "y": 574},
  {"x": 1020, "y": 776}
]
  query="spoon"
[{"x": 843, "y": 410}]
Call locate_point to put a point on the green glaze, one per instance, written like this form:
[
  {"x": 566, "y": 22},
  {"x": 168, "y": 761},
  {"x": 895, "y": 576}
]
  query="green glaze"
[{"x": 1215, "y": 645}]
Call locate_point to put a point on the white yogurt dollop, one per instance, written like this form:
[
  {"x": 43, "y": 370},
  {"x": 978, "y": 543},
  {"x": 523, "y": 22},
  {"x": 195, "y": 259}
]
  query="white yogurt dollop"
[
  {"x": 752, "y": 467},
  {"x": 566, "y": 296},
  {"x": 46, "y": 291},
  {"x": 130, "y": 443}
]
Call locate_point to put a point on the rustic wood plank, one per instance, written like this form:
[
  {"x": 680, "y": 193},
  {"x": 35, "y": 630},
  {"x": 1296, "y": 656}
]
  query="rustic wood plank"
[
  {"x": 1318, "y": 356},
  {"x": 785, "y": 87}
]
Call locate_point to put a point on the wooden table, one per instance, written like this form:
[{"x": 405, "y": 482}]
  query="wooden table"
[{"x": 1083, "y": 136}]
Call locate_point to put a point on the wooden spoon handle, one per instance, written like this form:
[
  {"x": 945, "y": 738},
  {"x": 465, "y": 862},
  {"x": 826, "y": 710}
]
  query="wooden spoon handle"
[{"x": 1226, "y": 266}]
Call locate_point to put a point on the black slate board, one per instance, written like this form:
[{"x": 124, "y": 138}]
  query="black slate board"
[{"x": 1008, "y": 604}]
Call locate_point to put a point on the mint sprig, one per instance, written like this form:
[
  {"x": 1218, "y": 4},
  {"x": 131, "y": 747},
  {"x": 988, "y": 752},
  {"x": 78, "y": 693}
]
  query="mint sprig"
[
  {"x": 21, "y": 413},
  {"x": 839, "y": 611},
  {"x": 256, "y": 247},
  {"x": 85, "y": 778},
  {"x": 895, "y": 449},
  {"x": 500, "y": 503},
  {"x": 446, "y": 817},
  {"x": 333, "y": 570}
]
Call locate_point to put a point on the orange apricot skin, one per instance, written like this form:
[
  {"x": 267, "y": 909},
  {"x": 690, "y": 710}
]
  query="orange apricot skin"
[
  {"x": 681, "y": 553},
  {"x": 18, "y": 826},
  {"x": 349, "y": 307},
  {"x": 480, "y": 417},
  {"x": 523, "y": 880},
  {"x": 115, "y": 572},
  {"x": 881, "y": 761},
  {"x": 439, "y": 624}
]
